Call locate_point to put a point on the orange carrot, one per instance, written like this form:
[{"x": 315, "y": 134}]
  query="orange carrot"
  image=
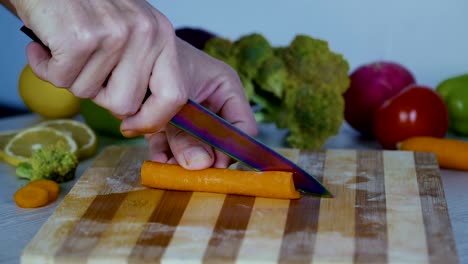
[
  {"x": 451, "y": 153},
  {"x": 272, "y": 184},
  {"x": 50, "y": 186},
  {"x": 31, "y": 197}
]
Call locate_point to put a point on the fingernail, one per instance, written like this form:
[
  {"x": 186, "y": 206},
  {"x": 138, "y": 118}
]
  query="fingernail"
[
  {"x": 197, "y": 157},
  {"x": 129, "y": 133}
]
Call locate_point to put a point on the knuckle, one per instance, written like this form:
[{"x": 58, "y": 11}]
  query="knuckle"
[
  {"x": 123, "y": 108},
  {"x": 83, "y": 92},
  {"x": 59, "y": 81},
  {"x": 146, "y": 25},
  {"x": 116, "y": 38},
  {"x": 124, "y": 105},
  {"x": 173, "y": 98},
  {"x": 84, "y": 40},
  {"x": 165, "y": 25}
]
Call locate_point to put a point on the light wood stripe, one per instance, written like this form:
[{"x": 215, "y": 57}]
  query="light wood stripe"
[
  {"x": 117, "y": 242},
  {"x": 88, "y": 230},
  {"x": 72, "y": 207},
  {"x": 441, "y": 244},
  {"x": 297, "y": 245},
  {"x": 262, "y": 241},
  {"x": 195, "y": 229},
  {"x": 371, "y": 217},
  {"x": 406, "y": 234},
  {"x": 335, "y": 235},
  {"x": 229, "y": 230},
  {"x": 160, "y": 228},
  {"x": 84, "y": 236}
]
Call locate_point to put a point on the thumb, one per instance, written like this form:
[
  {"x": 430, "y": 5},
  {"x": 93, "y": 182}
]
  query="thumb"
[{"x": 38, "y": 58}]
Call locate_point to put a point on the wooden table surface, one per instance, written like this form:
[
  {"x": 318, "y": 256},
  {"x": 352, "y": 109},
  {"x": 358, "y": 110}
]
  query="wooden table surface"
[{"x": 17, "y": 226}]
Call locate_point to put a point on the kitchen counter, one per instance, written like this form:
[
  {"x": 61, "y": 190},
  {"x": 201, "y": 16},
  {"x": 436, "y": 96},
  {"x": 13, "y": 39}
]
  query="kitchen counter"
[{"x": 18, "y": 226}]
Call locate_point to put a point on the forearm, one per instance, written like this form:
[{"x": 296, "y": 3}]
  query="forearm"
[{"x": 8, "y": 5}]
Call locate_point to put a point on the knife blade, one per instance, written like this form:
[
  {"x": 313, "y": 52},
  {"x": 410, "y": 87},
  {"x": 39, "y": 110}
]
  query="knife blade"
[{"x": 208, "y": 127}]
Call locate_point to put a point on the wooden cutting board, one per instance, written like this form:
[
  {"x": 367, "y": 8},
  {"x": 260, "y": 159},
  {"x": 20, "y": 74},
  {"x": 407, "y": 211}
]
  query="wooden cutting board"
[{"x": 389, "y": 206}]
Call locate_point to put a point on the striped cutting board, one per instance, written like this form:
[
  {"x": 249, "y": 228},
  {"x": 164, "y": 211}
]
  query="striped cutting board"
[{"x": 388, "y": 207}]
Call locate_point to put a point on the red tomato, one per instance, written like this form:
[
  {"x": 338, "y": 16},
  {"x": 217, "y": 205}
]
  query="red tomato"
[{"x": 415, "y": 111}]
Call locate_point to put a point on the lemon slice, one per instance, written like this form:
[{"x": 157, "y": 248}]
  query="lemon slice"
[
  {"x": 5, "y": 136},
  {"x": 21, "y": 146},
  {"x": 83, "y": 135}
]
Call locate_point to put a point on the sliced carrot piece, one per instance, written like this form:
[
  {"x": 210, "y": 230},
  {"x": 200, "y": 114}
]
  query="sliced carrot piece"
[
  {"x": 31, "y": 197},
  {"x": 50, "y": 186},
  {"x": 272, "y": 184}
]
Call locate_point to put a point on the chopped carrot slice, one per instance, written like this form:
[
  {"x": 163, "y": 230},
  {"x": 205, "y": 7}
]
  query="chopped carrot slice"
[
  {"x": 31, "y": 197},
  {"x": 50, "y": 186},
  {"x": 271, "y": 184}
]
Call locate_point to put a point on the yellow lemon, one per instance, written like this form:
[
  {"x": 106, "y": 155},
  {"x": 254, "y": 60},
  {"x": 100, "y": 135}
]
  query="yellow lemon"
[
  {"x": 44, "y": 98},
  {"x": 20, "y": 147},
  {"x": 84, "y": 136}
]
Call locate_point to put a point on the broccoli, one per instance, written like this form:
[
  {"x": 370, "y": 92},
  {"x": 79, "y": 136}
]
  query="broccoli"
[
  {"x": 246, "y": 55},
  {"x": 221, "y": 49},
  {"x": 298, "y": 87},
  {"x": 251, "y": 51},
  {"x": 53, "y": 162}
]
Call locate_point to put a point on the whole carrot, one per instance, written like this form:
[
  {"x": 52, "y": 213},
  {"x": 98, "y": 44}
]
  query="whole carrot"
[
  {"x": 451, "y": 153},
  {"x": 272, "y": 184}
]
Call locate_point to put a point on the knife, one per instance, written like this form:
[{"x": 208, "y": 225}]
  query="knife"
[{"x": 208, "y": 127}]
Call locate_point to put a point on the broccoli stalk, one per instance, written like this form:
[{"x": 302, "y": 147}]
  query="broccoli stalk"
[{"x": 54, "y": 162}]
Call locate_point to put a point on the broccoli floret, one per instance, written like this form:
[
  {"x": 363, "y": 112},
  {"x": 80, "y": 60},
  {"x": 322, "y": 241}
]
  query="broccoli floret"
[
  {"x": 313, "y": 112},
  {"x": 221, "y": 49},
  {"x": 310, "y": 60},
  {"x": 54, "y": 162},
  {"x": 271, "y": 76},
  {"x": 251, "y": 51}
]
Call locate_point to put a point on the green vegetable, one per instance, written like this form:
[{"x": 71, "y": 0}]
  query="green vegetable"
[
  {"x": 299, "y": 86},
  {"x": 454, "y": 92},
  {"x": 54, "y": 162}
]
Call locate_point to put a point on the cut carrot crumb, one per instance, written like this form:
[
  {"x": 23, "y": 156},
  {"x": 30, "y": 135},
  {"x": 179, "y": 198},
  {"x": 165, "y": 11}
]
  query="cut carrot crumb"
[
  {"x": 31, "y": 197},
  {"x": 271, "y": 184},
  {"x": 50, "y": 186}
]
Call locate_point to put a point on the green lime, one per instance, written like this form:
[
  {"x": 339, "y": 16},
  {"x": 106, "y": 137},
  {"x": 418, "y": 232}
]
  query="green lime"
[{"x": 100, "y": 119}]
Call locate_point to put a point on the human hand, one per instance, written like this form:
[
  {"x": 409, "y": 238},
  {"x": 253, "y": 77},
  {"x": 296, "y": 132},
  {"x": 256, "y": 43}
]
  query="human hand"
[{"x": 135, "y": 45}]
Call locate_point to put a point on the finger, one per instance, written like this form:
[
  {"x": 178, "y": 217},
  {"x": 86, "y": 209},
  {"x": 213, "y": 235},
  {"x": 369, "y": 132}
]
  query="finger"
[
  {"x": 168, "y": 96},
  {"x": 59, "y": 67},
  {"x": 98, "y": 68},
  {"x": 158, "y": 147},
  {"x": 221, "y": 160},
  {"x": 127, "y": 86},
  {"x": 188, "y": 151}
]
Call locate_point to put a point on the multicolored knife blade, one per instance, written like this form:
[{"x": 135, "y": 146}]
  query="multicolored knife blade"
[{"x": 217, "y": 132}]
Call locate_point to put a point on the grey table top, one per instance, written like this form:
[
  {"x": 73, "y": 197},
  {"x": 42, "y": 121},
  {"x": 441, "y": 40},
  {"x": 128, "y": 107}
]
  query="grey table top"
[{"x": 17, "y": 226}]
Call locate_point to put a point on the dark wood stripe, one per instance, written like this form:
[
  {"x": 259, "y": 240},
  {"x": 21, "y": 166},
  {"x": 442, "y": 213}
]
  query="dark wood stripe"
[
  {"x": 160, "y": 228},
  {"x": 88, "y": 230},
  {"x": 85, "y": 235},
  {"x": 300, "y": 231},
  {"x": 439, "y": 235},
  {"x": 370, "y": 210},
  {"x": 229, "y": 229}
]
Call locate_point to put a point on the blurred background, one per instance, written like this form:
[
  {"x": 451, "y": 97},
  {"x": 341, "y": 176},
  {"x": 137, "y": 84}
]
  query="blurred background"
[{"x": 427, "y": 36}]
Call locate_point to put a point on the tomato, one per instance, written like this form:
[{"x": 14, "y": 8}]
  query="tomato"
[{"x": 415, "y": 111}]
